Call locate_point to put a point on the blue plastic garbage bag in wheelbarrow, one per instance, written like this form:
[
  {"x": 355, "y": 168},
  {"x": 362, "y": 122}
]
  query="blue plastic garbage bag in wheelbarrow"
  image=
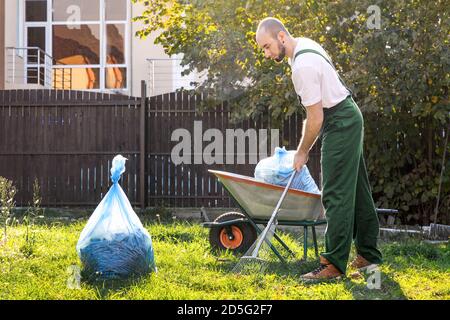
[
  {"x": 114, "y": 244},
  {"x": 278, "y": 168}
]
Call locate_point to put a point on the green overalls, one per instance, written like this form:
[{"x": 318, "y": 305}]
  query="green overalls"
[{"x": 346, "y": 197}]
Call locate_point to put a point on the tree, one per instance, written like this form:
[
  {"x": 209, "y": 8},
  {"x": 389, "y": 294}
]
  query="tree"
[{"x": 398, "y": 69}]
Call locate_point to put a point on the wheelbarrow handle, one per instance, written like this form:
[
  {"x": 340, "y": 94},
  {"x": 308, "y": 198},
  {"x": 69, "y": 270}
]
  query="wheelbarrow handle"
[
  {"x": 386, "y": 211},
  {"x": 224, "y": 223}
]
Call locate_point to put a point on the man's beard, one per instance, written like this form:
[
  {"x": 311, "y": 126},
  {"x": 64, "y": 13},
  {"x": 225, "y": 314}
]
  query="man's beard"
[{"x": 282, "y": 54}]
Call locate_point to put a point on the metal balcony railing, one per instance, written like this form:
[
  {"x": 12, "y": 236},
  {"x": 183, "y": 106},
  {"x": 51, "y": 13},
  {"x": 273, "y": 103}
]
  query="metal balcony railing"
[
  {"x": 62, "y": 77},
  {"x": 164, "y": 76},
  {"x": 28, "y": 66}
]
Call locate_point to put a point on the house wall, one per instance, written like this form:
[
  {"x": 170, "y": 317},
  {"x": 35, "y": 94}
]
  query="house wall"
[
  {"x": 11, "y": 24},
  {"x": 12, "y": 38},
  {"x": 142, "y": 49},
  {"x": 139, "y": 49}
]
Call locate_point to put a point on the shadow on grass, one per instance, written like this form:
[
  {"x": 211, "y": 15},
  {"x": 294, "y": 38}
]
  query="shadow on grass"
[
  {"x": 292, "y": 268},
  {"x": 105, "y": 288},
  {"x": 374, "y": 285}
]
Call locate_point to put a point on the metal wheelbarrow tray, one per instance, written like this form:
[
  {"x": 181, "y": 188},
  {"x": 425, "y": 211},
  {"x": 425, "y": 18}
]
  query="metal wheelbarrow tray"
[{"x": 237, "y": 231}]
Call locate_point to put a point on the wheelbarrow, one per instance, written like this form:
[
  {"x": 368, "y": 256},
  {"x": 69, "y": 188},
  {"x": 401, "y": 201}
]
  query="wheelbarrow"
[{"x": 237, "y": 231}]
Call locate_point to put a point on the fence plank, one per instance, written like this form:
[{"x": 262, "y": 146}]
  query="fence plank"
[
  {"x": 18, "y": 145},
  {"x": 192, "y": 168},
  {"x": 32, "y": 164},
  {"x": 187, "y": 124},
  {"x": 106, "y": 143},
  {"x": 77, "y": 145},
  {"x": 165, "y": 148},
  {"x": 151, "y": 164},
  {"x": 97, "y": 140},
  {"x": 159, "y": 167},
  {"x": 91, "y": 147},
  {"x": 172, "y": 125},
  {"x": 178, "y": 168},
  {"x": 66, "y": 194},
  {"x": 56, "y": 141}
]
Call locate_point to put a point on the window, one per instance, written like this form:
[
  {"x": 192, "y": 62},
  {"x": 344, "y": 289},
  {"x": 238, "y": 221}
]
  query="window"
[
  {"x": 36, "y": 38},
  {"x": 116, "y": 28},
  {"x": 115, "y": 10},
  {"x": 76, "y": 10},
  {"x": 88, "y": 40},
  {"x": 115, "y": 43},
  {"x": 82, "y": 78},
  {"x": 33, "y": 33},
  {"x": 36, "y": 10},
  {"x": 116, "y": 78},
  {"x": 76, "y": 45}
]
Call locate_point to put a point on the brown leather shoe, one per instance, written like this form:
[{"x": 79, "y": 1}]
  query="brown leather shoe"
[
  {"x": 325, "y": 272},
  {"x": 361, "y": 263}
]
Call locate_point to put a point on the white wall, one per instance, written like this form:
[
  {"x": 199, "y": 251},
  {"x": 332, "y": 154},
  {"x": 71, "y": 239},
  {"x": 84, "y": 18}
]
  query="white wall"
[
  {"x": 11, "y": 35},
  {"x": 142, "y": 49}
]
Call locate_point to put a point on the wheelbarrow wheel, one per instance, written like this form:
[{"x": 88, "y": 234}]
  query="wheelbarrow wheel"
[{"x": 237, "y": 237}]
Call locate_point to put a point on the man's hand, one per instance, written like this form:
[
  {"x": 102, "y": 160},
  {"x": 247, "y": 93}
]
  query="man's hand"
[{"x": 300, "y": 159}]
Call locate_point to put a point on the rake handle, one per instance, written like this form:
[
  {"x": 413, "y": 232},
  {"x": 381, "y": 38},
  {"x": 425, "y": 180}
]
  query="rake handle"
[{"x": 274, "y": 214}]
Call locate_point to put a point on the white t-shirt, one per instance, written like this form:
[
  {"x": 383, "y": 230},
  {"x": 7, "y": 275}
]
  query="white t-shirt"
[{"x": 314, "y": 78}]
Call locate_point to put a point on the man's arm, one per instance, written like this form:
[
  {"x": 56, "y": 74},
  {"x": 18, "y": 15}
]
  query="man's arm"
[{"x": 311, "y": 130}]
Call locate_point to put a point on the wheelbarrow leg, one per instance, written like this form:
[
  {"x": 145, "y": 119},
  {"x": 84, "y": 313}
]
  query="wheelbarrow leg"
[
  {"x": 316, "y": 248},
  {"x": 277, "y": 253},
  {"x": 284, "y": 245},
  {"x": 305, "y": 243}
]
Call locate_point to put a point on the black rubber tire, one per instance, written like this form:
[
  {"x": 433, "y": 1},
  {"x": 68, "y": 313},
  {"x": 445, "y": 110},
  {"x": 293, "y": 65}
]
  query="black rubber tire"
[{"x": 247, "y": 230}]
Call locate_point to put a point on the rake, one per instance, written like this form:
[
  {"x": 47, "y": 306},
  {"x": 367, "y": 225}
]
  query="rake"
[{"x": 250, "y": 262}]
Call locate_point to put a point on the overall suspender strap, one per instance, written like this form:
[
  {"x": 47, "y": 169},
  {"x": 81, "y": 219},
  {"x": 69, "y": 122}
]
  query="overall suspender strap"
[{"x": 317, "y": 52}]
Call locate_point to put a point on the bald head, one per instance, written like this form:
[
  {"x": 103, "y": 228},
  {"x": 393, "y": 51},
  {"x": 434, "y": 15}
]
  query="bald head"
[
  {"x": 271, "y": 26},
  {"x": 273, "y": 37}
]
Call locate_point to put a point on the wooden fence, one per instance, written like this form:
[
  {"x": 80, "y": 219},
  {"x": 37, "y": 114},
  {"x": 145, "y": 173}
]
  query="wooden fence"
[{"x": 67, "y": 140}]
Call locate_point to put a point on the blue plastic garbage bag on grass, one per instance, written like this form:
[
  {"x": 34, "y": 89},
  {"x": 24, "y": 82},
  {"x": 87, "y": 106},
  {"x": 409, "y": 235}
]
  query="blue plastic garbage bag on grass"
[
  {"x": 278, "y": 168},
  {"x": 114, "y": 244}
]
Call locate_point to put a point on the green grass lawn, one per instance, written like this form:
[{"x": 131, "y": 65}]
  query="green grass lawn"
[{"x": 187, "y": 269}]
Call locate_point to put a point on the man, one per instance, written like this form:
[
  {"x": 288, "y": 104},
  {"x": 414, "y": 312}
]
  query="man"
[{"x": 331, "y": 114}]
